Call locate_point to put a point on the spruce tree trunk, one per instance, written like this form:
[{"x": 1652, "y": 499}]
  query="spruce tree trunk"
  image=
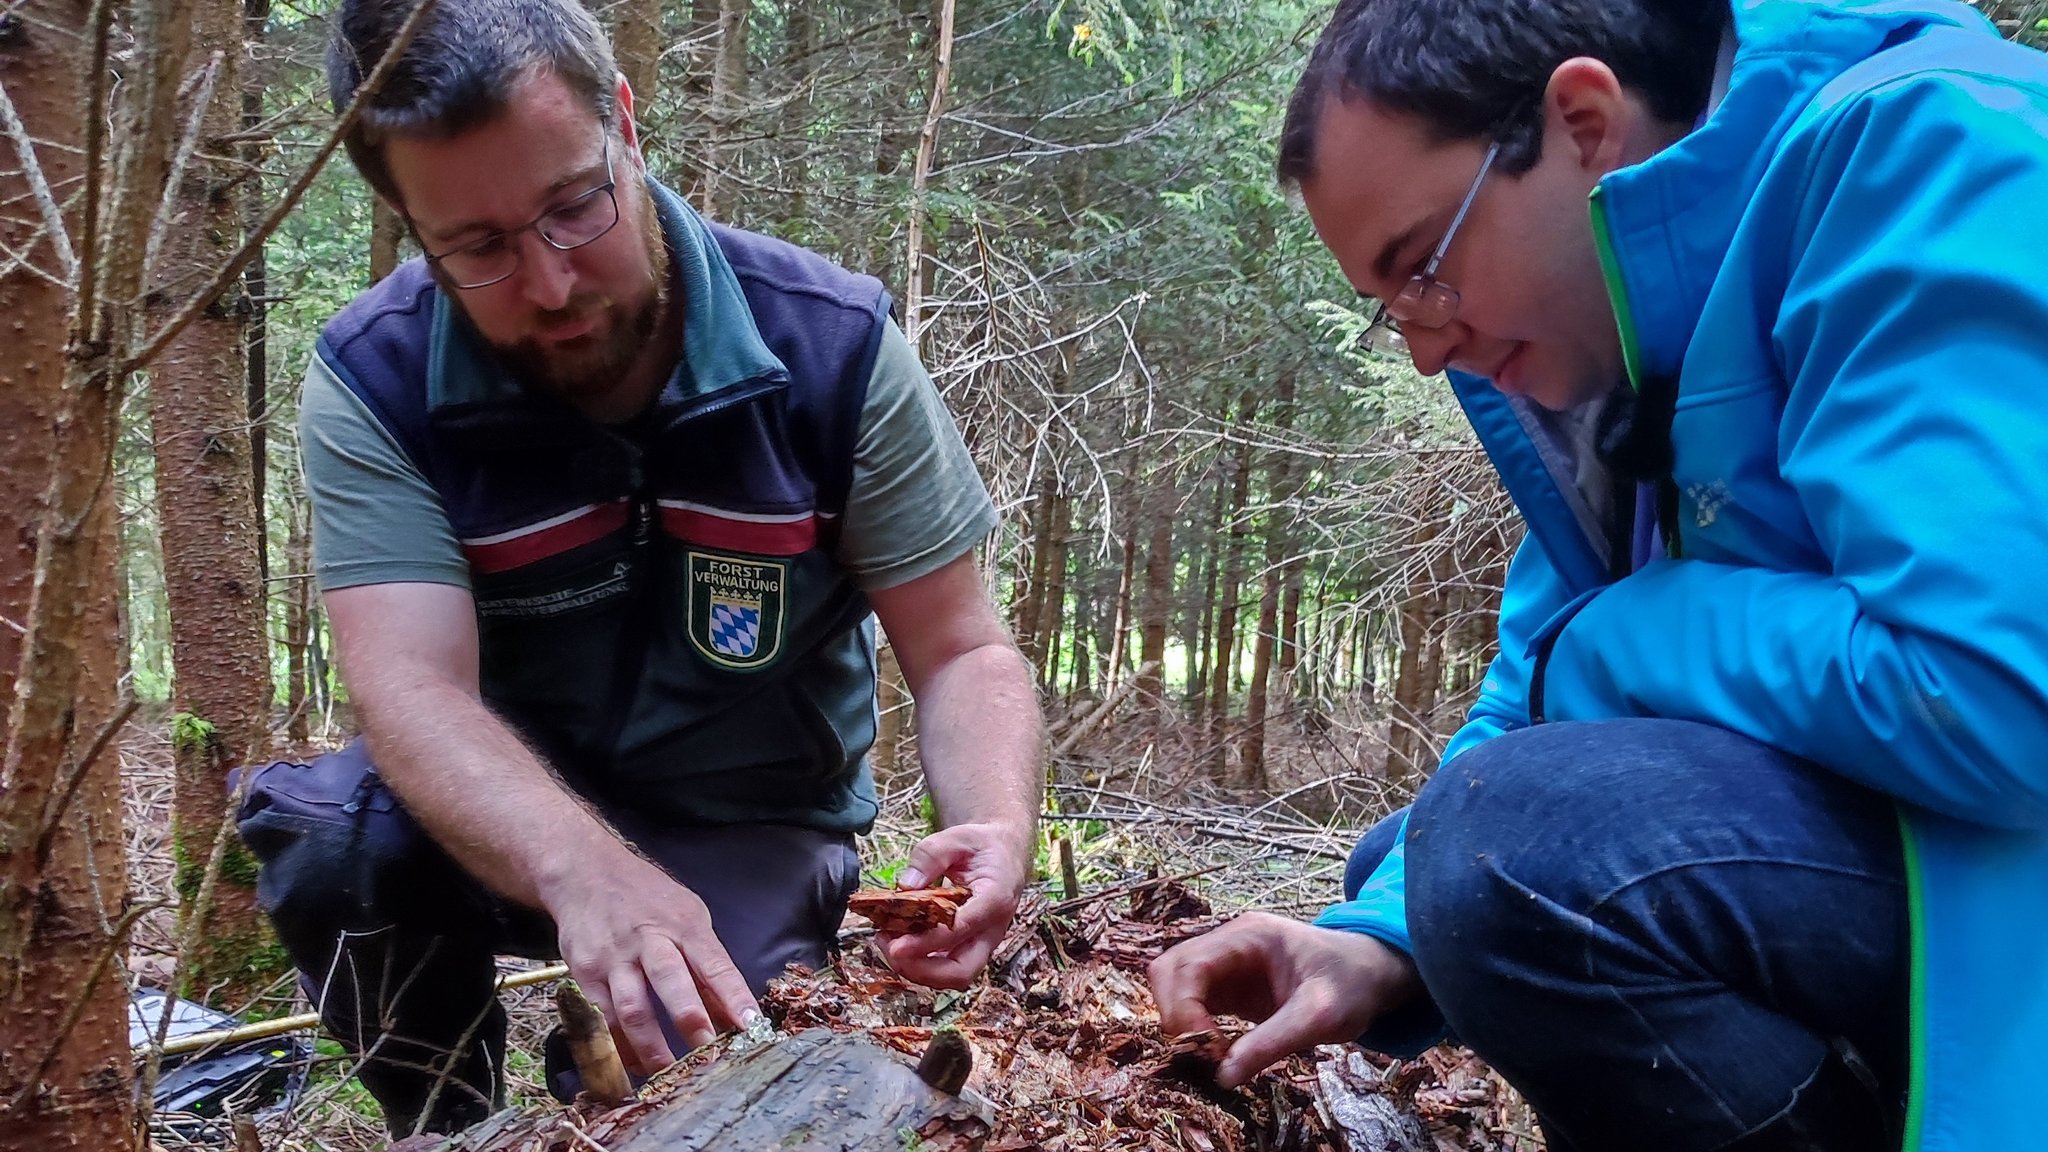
[
  {"x": 1155, "y": 609},
  {"x": 1052, "y": 603},
  {"x": 728, "y": 110},
  {"x": 1230, "y": 590},
  {"x": 1120, "y": 609},
  {"x": 1279, "y": 543},
  {"x": 799, "y": 48},
  {"x": 64, "y": 1062},
  {"x": 1202, "y": 624},
  {"x": 298, "y": 621},
  {"x": 256, "y": 280},
  {"x": 892, "y": 702},
  {"x": 918, "y": 273},
  {"x": 213, "y": 573},
  {"x": 386, "y": 230},
  {"x": 636, "y": 45},
  {"x": 1417, "y": 674}
]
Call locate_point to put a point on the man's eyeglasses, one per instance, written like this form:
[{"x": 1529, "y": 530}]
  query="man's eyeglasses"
[
  {"x": 1424, "y": 302},
  {"x": 566, "y": 226}
]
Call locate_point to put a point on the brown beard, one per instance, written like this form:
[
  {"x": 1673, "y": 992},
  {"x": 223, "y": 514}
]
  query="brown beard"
[{"x": 597, "y": 364}]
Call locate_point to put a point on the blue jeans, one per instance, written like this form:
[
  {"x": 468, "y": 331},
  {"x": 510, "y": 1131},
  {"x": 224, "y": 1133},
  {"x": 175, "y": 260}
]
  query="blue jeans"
[{"x": 1660, "y": 932}]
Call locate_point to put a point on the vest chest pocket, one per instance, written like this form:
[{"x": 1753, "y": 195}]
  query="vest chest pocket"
[
  {"x": 586, "y": 587},
  {"x": 548, "y": 645}
]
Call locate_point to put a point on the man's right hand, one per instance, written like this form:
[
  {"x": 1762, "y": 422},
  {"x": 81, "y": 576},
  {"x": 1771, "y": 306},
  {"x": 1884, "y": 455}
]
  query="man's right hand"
[
  {"x": 626, "y": 928},
  {"x": 1304, "y": 985}
]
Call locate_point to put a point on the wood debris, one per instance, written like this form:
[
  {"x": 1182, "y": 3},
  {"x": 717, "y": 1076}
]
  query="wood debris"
[
  {"x": 907, "y": 911},
  {"x": 1060, "y": 1050}
]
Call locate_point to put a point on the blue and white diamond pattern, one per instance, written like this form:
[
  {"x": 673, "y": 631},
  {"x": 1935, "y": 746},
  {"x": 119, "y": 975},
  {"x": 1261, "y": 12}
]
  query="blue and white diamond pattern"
[{"x": 735, "y": 628}]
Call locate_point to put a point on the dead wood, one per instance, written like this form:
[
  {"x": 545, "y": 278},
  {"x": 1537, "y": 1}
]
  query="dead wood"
[
  {"x": 906, "y": 911},
  {"x": 1058, "y": 1049}
]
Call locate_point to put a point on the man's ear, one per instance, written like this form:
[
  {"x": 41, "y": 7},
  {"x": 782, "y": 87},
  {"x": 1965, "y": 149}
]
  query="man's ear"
[
  {"x": 1589, "y": 116},
  {"x": 629, "y": 130}
]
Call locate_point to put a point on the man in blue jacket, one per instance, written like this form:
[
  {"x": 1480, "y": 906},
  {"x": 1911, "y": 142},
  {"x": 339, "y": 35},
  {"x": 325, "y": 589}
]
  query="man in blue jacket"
[
  {"x": 1745, "y": 843},
  {"x": 604, "y": 499}
]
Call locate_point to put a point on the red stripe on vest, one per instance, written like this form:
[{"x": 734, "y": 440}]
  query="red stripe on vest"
[
  {"x": 785, "y": 538},
  {"x": 555, "y": 539}
]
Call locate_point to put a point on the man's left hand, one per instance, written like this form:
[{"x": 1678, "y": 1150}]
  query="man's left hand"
[{"x": 993, "y": 863}]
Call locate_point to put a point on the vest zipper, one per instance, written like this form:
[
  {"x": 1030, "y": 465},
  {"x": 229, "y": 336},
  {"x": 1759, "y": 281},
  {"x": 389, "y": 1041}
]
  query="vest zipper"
[{"x": 638, "y": 630}]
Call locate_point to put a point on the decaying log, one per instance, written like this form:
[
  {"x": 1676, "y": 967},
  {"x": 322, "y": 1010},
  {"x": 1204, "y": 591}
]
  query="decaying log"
[{"x": 817, "y": 1091}]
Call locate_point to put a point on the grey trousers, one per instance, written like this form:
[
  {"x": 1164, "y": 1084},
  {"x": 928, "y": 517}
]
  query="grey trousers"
[{"x": 395, "y": 943}]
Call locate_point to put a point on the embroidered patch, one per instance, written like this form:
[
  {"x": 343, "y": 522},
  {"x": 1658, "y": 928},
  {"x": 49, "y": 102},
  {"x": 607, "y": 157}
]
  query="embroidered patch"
[
  {"x": 1707, "y": 501},
  {"x": 736, "y": 608}
]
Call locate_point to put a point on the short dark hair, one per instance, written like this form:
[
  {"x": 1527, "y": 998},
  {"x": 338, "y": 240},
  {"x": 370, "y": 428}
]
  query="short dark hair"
[
  {"x": 460, "y": 68},
  {"x": 1477, "y": 68}
]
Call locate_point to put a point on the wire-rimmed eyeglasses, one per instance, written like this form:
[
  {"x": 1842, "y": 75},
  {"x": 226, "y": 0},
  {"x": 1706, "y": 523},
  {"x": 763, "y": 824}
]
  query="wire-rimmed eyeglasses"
[
  {"x": 1424, "y": 302},
  {"x": 485, "y": 262}
]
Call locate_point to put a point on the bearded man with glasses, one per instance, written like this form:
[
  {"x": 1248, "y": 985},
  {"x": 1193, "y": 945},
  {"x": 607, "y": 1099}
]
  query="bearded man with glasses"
[
  {"x": 607, "y": 501},
  {"x": 1743, "y": 846}
]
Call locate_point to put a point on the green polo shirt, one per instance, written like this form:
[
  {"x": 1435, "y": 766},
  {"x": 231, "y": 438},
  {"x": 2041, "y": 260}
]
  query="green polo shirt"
[{"x": 916, "y": 502}]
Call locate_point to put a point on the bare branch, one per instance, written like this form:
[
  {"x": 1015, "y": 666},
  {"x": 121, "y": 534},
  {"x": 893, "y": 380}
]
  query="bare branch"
[
  {"x": 92, "y": 227},
  {"x": 253, "y": 243},
  {"x": 53, "y": 819},
  {"x": 208, "y": 78},
  {"x": 39, "y": 187}
]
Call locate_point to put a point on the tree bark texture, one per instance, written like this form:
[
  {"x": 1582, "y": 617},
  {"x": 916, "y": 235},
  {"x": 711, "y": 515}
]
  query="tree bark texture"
[
  {"x": 728, "y": 108},
  {"x": 636, "y": 45},
  {"x": 64, "y": 1062}
]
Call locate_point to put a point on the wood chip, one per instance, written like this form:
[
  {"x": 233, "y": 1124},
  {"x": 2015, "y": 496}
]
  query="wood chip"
[{"x": 907, "y": 911}]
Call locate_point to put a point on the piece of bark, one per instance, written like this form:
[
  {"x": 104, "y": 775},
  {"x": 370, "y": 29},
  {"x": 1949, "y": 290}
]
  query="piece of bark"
[
  {"x": 908, "y": 911},
  {"x": 590, "y": 1043},
  {"x": 1353, "y": 1099},
  {"x": 1194, "y": 1058},
  {"x": 1167, "y": 901}
]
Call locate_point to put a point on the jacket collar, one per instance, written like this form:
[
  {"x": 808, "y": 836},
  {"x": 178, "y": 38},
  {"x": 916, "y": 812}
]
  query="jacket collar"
[{"x": 1670, "y": 220}]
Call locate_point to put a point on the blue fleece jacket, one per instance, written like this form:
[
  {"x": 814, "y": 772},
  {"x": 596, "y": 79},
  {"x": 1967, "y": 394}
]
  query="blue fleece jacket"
[{"x": 1845, "y": 268}]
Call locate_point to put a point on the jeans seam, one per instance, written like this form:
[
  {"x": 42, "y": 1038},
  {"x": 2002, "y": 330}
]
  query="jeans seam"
[
  {"x": 1804, "y": 865},
  {"x": 1707, "y": 1090},
  {"x": 1592, "y": 977}
]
